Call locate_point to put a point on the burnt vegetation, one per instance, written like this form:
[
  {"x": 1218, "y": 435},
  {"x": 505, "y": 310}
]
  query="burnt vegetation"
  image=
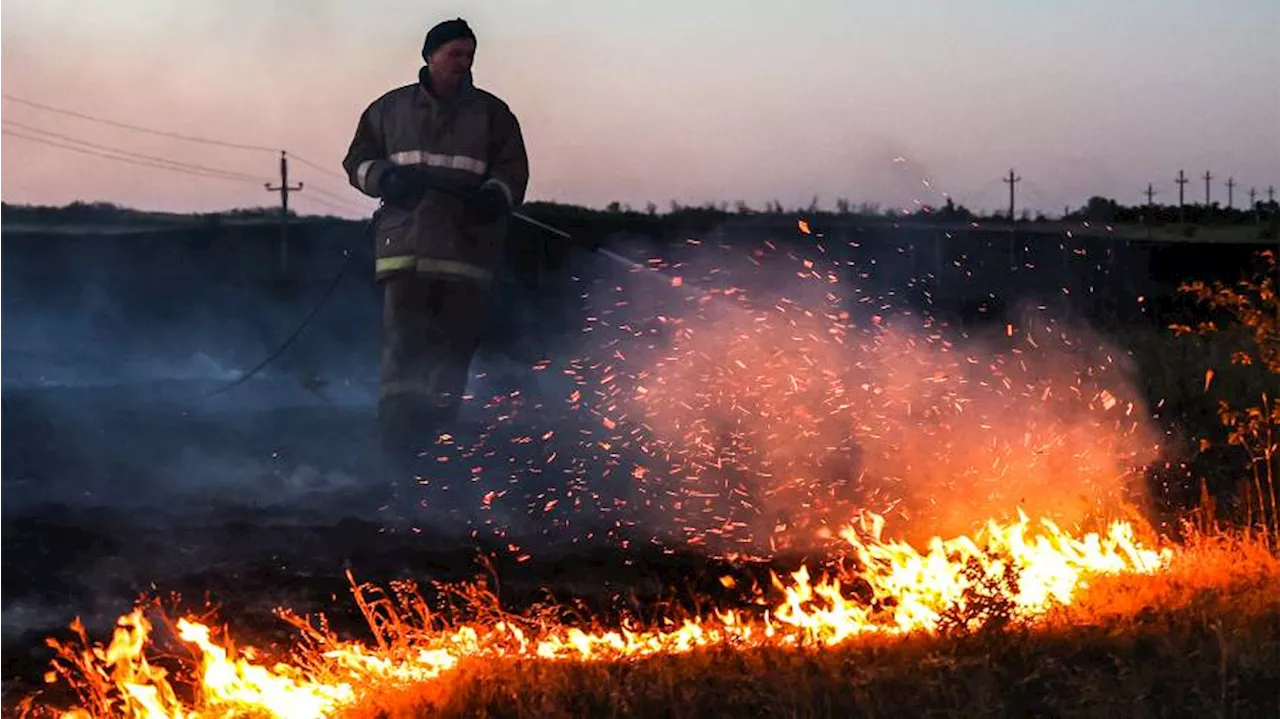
[{"x": 1189, "y": 295}]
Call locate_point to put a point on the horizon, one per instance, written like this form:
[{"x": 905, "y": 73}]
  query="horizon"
[
  {"x": 954, "y": 100},
  {"x": 271, "y": 212}
]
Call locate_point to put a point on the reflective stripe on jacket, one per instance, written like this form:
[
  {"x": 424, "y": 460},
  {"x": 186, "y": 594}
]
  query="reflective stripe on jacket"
[{"x": 464, "y": 142}]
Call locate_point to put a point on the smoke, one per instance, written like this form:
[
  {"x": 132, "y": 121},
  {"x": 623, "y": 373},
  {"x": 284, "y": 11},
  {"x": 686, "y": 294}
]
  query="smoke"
[
  {"x": 1048, "y": 421},
  {"x": 113, "y": 343},
  {"x": 109, "y": 363},
  {"x": 768, "y": 393},
  {"x": 735, "y": 392}
]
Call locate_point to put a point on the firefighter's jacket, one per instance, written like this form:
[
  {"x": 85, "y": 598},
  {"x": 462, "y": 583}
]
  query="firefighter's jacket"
[{"x": 464, "y": 142}]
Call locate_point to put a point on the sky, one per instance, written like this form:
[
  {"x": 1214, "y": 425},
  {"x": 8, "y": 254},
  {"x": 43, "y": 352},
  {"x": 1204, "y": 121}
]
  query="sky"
[{"x": 660, "y": 101}]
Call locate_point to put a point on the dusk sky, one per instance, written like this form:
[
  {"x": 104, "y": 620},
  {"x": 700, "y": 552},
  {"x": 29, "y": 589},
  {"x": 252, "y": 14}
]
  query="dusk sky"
[{"x": 660, "y": 101}]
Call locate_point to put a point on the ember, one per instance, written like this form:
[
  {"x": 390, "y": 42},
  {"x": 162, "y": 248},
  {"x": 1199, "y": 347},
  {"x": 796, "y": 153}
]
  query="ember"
[
  {"x": 776, "y": 415},
  {"x": 753, "y": 423}
]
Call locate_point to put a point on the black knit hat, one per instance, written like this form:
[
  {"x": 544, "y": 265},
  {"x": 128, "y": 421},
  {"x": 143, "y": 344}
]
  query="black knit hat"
[{"x": 444, "y": 32}]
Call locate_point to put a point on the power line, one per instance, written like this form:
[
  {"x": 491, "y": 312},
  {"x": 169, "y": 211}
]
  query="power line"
[
  {"x": 157, "y": 165},
  {"x": 227, "y": 174},
  {"x": 216, "y": 174},
  {"x": 326, "y": 203},
  {"x": 334, "y": 195},
  {"x": 138, "y": 128},
  {"x": 1012, "y": 180},
  {"x": 230, "y": 174},
  {"x": 327, "y": 193},
  {"x": 165, "y": 133},
  {"x": 1182, "y": 205},
  {"x": 975, "y": 197},
  {"x": 331, "y": 173},
  {"x": 1039, "y": 194},
  {"x": 322, "y": 168},
  {"x": 284, "y": 189}
]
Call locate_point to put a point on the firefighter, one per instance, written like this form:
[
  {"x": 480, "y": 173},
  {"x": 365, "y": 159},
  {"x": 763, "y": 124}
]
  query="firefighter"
[{"x": 448, "y": 161}]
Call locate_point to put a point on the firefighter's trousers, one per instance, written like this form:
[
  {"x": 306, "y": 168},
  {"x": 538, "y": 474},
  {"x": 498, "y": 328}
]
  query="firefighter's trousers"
[{"x": 432, "y": 327}]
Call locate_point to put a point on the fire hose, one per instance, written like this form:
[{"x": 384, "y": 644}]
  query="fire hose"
[{"x": 346, "y": 263}]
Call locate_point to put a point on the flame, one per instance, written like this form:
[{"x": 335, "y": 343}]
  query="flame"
[
  {"x": 725, "y": 409},
  {"x": 878, "y": 587}
]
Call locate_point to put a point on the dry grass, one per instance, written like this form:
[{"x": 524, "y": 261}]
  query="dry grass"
[{"x": 1201, "y": 639}]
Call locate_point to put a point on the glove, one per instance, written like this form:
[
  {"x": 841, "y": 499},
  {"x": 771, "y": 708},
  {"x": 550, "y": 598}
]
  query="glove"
[
  {"x": 488, "y": 205},
  {"x": 401, "y": 186}
]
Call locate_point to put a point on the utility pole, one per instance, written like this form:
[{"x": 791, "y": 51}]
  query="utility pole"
[
  {"x": 1207, "y": 178},
  {"x": 1253, "y": 204},
  {"x": 1150, "y": 211},
  {"x": 284, "y": 189},
  {"x": 1012, "y": 179},
  {"x": 1182, "y": 187},
  {"x": 1231, "y": 186},
  {"x": 1271, "y": 194}
]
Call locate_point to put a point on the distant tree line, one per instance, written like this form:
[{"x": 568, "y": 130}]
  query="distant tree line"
[
  {"x": 1102, "y": 209},
  {"x": 621, "y": 217},
  {"x": 111, "y": 214}
]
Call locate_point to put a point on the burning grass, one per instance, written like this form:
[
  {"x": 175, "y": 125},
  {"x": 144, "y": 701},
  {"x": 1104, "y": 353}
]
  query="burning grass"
[
  {"x": 1198, "y": 651},
  {"x": 749, "y": 412},
  {"x": 1020, "y": 617}
]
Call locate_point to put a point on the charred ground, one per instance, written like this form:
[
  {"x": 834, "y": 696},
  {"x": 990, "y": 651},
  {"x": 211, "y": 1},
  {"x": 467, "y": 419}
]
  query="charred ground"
[{"x": 121, "y": 479}]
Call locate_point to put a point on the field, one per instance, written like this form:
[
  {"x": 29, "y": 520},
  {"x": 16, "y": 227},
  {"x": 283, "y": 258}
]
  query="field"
[
  {"x": 929, "y": 377},
  {"x": 1198, "y": 640}
]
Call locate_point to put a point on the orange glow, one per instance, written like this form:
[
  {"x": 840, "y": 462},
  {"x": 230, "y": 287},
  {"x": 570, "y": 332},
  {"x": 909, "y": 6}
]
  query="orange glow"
[{"x": 909, "y": 590}]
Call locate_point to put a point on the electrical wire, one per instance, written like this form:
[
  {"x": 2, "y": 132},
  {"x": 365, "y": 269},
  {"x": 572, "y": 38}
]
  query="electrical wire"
[
  {"x": 229, "y": 174},
  {"x": 336, "y": 197},
  {"x": 138, "y": 128},
  {"x": 321, "y": 201},
  {"x": 187, "y": 170},
  {"x": 190, "y": 138},
  {"x": 154, "y": 161},
  {"x": 129, "y": 157},
  {"x": 73, "y": 144},
  {"x": 316, "y": 166},
  {"x": 334, "y": 174}
]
